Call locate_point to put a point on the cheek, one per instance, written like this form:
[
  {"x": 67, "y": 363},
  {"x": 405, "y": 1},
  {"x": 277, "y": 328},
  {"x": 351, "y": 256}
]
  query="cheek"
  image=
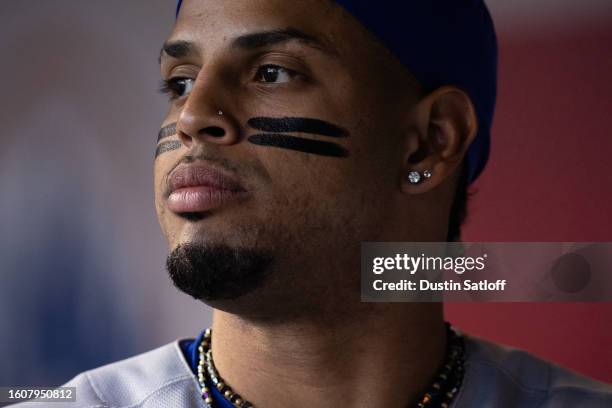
[
  {"x": 161, "y": 168},
  {"x": 158, "y": 180},
  {"x": 314, "y": 197}
]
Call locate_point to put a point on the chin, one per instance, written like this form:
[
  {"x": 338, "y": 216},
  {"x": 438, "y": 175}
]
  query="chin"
[{"x": 215, "y": 233}]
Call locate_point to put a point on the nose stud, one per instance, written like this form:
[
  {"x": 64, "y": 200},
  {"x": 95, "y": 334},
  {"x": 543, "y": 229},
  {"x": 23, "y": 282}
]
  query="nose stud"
[{"x": 220, "y": 113}]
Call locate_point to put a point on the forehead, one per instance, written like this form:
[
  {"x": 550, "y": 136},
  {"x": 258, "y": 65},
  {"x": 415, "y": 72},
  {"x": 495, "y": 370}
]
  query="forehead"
[{"x": 213, "y": 22}]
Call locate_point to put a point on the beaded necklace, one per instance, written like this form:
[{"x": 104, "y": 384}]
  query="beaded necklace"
[{"x": 438, "y": 394}]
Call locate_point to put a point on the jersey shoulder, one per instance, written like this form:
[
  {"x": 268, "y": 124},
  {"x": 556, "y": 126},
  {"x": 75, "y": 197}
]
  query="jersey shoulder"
[
  {"x": 501, "y": 376},
  {"x": 157, "y": 378}
]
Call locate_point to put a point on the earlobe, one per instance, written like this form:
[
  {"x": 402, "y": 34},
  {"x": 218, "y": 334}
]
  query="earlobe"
[{"x": 446, "y": 125}]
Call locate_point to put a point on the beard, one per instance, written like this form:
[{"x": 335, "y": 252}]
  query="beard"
[{"x": 217, "y": 272}]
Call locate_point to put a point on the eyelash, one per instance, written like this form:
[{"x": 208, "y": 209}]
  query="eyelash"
[
  {"x": 171, "y": 86},
  {"x": 262, "y": 69}
]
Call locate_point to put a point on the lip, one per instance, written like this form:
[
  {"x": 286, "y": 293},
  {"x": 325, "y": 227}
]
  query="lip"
[{"x": 200, "y": 188}]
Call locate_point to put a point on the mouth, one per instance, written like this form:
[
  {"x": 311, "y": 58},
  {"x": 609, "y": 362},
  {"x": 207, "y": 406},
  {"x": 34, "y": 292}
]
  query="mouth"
[{"x": 196, "y": 190}]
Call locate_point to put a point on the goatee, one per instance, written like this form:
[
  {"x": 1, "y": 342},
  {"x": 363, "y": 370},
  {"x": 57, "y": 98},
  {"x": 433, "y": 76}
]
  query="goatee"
[{"x": 217, "y": 272}]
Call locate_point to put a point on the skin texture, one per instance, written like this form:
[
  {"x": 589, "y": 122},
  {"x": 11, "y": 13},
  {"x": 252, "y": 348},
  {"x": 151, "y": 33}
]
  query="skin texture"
[{"x": 302, "y": 331}]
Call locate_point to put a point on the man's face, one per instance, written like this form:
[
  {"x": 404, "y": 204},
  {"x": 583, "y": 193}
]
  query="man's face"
[{"x": 288, "y": 140}]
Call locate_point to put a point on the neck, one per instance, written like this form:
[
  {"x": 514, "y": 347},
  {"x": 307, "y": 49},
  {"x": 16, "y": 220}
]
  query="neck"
[{"x": 384, "y": 357}]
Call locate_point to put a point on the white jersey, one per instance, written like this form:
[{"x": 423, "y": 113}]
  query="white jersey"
[{"x": 495, "y": 376}]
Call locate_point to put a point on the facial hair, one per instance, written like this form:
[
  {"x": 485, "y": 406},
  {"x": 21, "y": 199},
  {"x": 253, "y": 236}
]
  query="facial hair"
[{"x": 217, "y": 272}]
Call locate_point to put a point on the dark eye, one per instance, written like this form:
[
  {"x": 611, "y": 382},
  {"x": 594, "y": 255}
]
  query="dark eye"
[
  {"x": 274, "y": 74},
  {"x": 177, "y": 87}
]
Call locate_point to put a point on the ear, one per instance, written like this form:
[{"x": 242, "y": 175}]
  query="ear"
[{"x": 445, "y": 124}]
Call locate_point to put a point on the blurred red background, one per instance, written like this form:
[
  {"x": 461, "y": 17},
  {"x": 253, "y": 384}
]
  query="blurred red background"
[{"x": 548, "y": 179}]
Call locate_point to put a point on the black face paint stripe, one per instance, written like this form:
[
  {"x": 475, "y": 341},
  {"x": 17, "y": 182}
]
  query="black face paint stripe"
[
  {"x": 167, "y": 131},
  {"x": 167, "y": 147},
  {"x": 300, "y": 144},
  {"x": 301, "y": 125}
]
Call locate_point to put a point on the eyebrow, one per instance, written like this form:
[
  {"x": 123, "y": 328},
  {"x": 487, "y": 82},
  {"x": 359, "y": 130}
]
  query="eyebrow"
[
  {"x": 273, "y": 37},
  {"x": 177, "y": 49},
  {"x": 180, "y": 48}
]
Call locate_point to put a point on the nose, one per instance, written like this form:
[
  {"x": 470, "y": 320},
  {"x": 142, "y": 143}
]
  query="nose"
[{"x": 202, "y": 118}]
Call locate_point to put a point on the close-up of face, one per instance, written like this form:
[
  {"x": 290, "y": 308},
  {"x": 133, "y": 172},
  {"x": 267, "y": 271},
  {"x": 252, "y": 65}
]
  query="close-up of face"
[
  {"x": 306, "y": 203},
  {"x": 285, "y": 146}
]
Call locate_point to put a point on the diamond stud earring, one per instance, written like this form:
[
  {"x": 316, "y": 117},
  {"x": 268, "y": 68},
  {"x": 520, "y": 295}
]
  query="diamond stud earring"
[{"x": 414, "y": 177}]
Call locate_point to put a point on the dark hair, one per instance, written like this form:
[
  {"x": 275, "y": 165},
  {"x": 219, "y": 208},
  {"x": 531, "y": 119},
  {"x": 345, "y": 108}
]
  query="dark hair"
[{"x": 458, "y": 212}]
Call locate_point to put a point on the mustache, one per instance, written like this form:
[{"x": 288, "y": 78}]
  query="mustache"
[{"x": 274, "y": 136}]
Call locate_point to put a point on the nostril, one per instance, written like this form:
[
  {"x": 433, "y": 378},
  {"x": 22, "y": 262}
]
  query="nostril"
[{"x": 214, "y": 131}]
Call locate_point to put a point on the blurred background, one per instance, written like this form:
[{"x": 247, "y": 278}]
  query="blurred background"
[{"x": 82, "y": 276}]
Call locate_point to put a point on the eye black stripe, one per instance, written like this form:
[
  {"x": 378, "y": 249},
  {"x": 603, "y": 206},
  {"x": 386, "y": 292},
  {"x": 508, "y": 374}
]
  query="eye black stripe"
[
  {"x": 301, "y": 125},
  {"x": 319, "y": 147},
  {"x": 167, "y": 131},
  {"x": 167, "y": 147}
]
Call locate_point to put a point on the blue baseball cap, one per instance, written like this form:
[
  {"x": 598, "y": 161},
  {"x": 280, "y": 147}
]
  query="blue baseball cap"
[{"x": 441, "y": 42}]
